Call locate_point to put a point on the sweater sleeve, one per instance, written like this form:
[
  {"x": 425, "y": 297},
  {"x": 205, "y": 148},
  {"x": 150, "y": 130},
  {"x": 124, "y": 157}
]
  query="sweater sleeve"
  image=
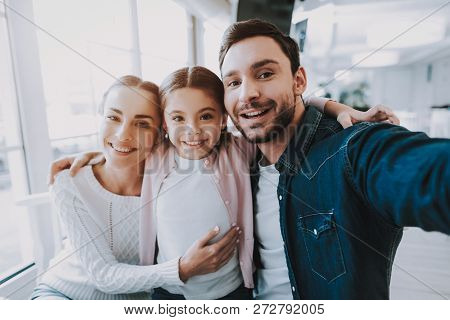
[
  {"x": 316, "y": 102},
  {"x": 89, "y": 240}
]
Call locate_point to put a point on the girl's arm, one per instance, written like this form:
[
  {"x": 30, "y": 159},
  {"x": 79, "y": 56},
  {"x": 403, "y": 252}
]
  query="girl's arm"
[{"x": 347, "y": 116}]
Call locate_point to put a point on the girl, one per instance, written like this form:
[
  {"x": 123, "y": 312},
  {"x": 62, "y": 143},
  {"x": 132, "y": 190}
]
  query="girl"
[{"x": 99, "y": 208}]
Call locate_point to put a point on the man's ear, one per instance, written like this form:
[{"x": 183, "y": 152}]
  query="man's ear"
[{"x": 300, "y": 81}]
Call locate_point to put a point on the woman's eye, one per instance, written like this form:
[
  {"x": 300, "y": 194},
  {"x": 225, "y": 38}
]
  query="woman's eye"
[
  {"x": 265, "y": 75},
  {"x": 113, "y": 118},
  {"x": 206, "y": 116},
  {"x": 177, "y": 119}
]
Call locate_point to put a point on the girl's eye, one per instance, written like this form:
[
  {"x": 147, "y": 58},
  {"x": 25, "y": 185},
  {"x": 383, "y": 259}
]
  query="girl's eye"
[
  {"x": 177, "y": 118},
  {"x": 143, "y": 124},
  {"x": 265, "y": 75},
  {"x": 206, "y": 116}
]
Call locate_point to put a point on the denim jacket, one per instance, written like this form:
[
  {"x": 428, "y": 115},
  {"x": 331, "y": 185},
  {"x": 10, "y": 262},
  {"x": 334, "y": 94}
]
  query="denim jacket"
[{"x": 345, "y": 196}]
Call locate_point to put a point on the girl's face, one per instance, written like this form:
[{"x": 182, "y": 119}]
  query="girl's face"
[
  {"x": 129, "y": 127},
  {"x": 193, "y": 121}
]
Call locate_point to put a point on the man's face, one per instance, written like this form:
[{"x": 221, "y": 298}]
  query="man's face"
[{"x": 260, "y": 91}]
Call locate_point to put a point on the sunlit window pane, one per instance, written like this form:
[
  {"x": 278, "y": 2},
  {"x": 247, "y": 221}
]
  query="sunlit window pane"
[
  {"x": 212, "y": 37},
  {"x": 163, "y": 40},
  {"x": 74, "y": 82}
]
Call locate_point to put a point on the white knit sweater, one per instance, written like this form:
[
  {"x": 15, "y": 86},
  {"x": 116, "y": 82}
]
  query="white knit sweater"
[{"x": 87, "y": 267}]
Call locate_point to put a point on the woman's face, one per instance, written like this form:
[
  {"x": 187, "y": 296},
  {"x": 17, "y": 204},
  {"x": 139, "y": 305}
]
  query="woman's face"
[
  {"x": 129, "y": 127},
  {"x": 193, "y": 121}
]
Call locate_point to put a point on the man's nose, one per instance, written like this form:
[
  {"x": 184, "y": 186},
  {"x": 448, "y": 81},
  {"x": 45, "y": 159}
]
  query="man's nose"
[{"x": 248, "y": 91}]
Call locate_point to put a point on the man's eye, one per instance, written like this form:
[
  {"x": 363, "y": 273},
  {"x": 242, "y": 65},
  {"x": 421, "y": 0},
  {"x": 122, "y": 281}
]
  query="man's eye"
[
  {"x": 265, "y": 75},
  {"x": 177, "y": 118},
  {"x": 233, "y": 83},
  {"x": 206, "y": 116}
]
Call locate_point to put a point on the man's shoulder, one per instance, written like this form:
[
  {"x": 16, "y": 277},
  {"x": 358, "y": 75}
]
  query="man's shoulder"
[{"x": 327, "y": 127}]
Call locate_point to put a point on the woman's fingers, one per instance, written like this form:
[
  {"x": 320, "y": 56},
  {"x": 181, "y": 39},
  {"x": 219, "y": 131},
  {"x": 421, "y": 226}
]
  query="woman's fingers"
[
  {"x": 83, "y": 160},
  {"x": 58, "y": 166}
]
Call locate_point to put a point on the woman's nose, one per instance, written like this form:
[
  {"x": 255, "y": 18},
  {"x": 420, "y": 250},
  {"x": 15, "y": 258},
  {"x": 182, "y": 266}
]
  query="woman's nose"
[{"x": 124, "y": 133}]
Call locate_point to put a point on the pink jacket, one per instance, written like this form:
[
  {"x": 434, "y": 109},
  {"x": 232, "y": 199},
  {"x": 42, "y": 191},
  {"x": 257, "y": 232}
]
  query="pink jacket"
[{"x": 230, "y": 172}]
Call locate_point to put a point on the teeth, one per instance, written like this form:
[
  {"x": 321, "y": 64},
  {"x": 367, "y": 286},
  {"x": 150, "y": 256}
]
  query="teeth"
[
  {"x": 253, "y": 114},
  {"x": 193, "y": 143},
  {"x": 121, "y": 149}
]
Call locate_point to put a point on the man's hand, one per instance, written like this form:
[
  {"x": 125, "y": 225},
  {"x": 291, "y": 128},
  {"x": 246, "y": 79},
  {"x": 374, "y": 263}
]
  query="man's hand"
[
  {"x": 74, "y": 163},
  {"x": 202, "y": 258},
  {"x": 378, "y": 113}
]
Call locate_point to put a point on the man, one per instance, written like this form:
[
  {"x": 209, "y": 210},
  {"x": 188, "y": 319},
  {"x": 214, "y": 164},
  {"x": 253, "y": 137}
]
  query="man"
[{"x": 331, "y": 203}]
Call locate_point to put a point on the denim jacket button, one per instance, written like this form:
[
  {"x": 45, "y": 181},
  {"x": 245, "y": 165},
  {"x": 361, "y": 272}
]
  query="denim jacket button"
[
  {"x": 293, "y": 289},
  {"x": 280, "y": 197},
  {"x": 315, "y": 232}
]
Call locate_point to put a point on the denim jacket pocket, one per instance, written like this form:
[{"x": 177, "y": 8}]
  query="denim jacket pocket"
[{"x": 322, "y": 244}]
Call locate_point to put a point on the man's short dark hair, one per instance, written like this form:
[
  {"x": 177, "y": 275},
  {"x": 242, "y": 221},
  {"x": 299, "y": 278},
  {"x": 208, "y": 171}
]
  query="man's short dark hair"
[{"x": 239, "y": 31}]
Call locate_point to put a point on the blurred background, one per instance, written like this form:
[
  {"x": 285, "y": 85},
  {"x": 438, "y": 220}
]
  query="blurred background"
[{"x": 58, "y": 57}]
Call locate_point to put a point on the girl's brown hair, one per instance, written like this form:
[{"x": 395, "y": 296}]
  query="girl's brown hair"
[
  {"x": 132, "y": 82},
  {"x": 193, "y": 77}
]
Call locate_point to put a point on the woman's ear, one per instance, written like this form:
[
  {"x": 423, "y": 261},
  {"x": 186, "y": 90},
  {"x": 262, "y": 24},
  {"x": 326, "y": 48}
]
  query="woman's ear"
[{"x": 300, "y": 81}]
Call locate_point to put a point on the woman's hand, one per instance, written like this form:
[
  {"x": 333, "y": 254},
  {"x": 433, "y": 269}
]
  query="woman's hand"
[
  {"x": 74, "y": 163},
  {"x": 202, "y": 258},
  {"x": 378, "y": 113}
]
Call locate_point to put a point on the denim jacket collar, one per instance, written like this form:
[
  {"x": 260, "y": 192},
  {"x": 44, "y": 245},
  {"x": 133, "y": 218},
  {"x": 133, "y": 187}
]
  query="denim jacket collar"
[{"x": 300, "y": 143}]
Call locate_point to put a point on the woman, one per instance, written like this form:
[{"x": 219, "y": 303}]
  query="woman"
[{"x": 100, "y": 210}]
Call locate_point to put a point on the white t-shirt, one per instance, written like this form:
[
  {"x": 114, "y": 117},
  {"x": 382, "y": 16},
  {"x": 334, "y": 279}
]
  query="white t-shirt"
[
  {"x": 273, "y": 278},
  {"x": 187, "y": 207}
]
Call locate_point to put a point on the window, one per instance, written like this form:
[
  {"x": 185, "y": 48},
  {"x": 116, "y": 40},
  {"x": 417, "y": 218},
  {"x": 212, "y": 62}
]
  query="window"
[
  {"x": 74, "y": 86},
  {"x": 163, "y": 37},
  {"x": 15, "y": 243},
  {"x": 212, "y": 37}
]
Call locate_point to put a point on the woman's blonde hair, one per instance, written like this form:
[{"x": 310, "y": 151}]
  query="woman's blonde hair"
[{"x": 132, "y": 82}]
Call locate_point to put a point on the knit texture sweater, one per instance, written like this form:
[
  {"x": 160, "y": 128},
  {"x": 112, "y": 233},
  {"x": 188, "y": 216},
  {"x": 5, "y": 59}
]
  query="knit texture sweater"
[{"x": 101, "y": 253}]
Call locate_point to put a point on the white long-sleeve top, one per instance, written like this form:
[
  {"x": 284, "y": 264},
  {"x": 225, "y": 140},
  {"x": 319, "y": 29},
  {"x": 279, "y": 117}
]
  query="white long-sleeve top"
[{"x": 95, "y": 262}]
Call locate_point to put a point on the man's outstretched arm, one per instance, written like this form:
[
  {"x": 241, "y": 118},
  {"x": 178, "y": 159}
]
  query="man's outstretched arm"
[{"x": 403, "y": 175}]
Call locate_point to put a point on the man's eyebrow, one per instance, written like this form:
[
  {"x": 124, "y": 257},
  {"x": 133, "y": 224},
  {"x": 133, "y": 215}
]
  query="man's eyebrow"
[
  {"x": 254, "y": 66},
  {"x": 176, "y": 111},
  {"x": 262, "y": 63}
]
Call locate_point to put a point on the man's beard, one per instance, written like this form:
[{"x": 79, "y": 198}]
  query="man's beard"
[{"x": 274, "y": 128}]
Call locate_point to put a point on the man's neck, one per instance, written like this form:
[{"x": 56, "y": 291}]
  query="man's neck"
[{"x": 272, "y": 150}]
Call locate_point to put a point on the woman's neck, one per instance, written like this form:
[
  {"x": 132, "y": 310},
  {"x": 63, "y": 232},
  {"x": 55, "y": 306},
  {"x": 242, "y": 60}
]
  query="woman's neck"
[{"x": 123, "y": 181}]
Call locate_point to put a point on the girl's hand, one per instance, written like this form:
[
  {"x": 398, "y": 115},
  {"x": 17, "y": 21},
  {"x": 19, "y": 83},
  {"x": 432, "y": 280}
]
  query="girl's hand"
[
  {"x": 202, "y": 258},
  {"x": 74, "y": 163},
  {"x": 378, "y": 113}
]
